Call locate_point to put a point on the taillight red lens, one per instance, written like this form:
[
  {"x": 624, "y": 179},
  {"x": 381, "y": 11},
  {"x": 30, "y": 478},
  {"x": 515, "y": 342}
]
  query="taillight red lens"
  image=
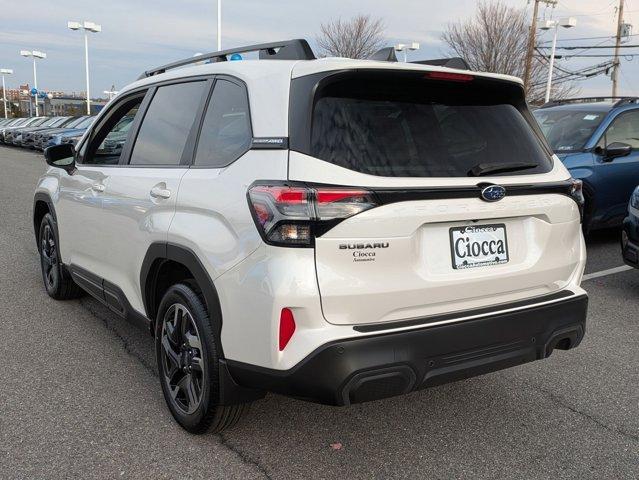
[
  {"x": 327, "y": 196},
  {"x": 289, "y": 216},
  {"x": 287, "y": 327}
]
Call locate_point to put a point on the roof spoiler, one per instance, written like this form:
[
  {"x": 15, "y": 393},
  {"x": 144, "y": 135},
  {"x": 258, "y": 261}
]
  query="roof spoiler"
[
  {"x": 453, "y": 62},
  {"x": 297, "y": 49},
  {"x": 387, "y": 54}
]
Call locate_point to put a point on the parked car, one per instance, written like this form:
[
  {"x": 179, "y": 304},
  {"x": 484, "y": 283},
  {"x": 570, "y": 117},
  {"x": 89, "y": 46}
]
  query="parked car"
[
  {"x": 598, "y": 141},
  {"x": 630, "y": 232},
  {"x": 334, "y": 230},
  {"x": 53, "y": 137},
  {"x": 8, "y": 133},
  {"x": 17, "y": 122},
  {"x": 28, "y": 135},
  {"x": 49, "y": 121},
  {"x": 114, "y": 142}
]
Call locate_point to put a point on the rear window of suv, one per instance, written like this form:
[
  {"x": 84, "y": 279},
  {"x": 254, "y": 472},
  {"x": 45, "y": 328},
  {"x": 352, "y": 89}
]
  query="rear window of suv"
[{"x": 410, "y": 126}]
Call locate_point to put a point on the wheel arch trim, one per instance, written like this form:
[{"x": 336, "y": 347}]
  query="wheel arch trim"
[
  {"x": 46, "y": 198},
  {"x": 156, "y": 255}
]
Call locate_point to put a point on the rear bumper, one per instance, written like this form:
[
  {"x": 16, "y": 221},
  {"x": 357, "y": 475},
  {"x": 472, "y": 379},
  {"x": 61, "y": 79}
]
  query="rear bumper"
[{"x": 379, "y": 366}]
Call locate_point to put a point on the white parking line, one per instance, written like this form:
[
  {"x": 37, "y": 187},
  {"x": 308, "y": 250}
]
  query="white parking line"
[{"x": 603, "y": 273}]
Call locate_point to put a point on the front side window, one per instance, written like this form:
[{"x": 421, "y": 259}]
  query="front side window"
[
  {"x": 109, "y": 141},
  {"x": 167, "y": 124},
  {"x": 226, "y": 130},
  {"x": 624, "y": 129}
]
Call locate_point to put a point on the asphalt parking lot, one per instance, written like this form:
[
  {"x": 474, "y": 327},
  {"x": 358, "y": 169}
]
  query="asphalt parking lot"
[{"x": 80, "y": 397}]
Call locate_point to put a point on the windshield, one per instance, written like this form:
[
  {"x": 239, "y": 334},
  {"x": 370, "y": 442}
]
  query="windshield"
[
  {"x": 568, "y": 130},
  {"x": 60, "y": 121},
  {"x": 85, "y": 123},
  {"x": 50, "y": 122},
  {"x": 20, "y": 122},
  {"x": 75, "y": 122},
  {"x": 35, "y": 122},
  {"x": 416, "y": 128}
]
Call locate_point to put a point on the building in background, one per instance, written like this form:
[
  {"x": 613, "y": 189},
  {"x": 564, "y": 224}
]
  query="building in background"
[{"x": 20, "y": 103}]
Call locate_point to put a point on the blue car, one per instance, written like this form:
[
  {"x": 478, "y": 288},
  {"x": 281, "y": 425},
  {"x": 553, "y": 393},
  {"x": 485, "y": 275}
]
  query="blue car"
[
  {"x": 597, "y": 139},
  {"x": 630, "y": 232},
  {"x": 62, "y": 135}
]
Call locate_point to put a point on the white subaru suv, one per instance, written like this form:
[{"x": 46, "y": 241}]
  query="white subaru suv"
[{"x": 334, "y": 230}]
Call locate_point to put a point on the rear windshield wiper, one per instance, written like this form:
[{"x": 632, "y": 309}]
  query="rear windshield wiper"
[{"x": 487, "y": 168}]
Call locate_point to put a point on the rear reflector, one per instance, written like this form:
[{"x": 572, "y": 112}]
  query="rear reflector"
[
  {"x": 449, "y": 76},
  {"x": 287, "y": 327}
]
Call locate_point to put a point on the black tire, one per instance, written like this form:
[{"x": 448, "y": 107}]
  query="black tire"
[
  {"x": 57, "y": 282},
  {"x": 188, "y": 363}
]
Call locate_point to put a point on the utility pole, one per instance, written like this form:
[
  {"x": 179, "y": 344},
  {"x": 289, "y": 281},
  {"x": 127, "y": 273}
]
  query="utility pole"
[
  {"x": 616, "y": 65},
  {"x": 531, "y": 40}
]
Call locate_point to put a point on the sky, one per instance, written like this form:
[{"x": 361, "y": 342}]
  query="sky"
[{"x": 139, "y": 34}]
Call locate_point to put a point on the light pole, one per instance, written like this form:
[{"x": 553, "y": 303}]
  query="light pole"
[
  {"x": 35, "y": 54},
  {"x": 3, "y": 72},
  {"x": 219, "y": 25},
  {"x": 87, "y": 27},
  {"x": 401, "y": 47},
  {"x": 111, "y": 93},
  {"x": 550, "y": 24}
]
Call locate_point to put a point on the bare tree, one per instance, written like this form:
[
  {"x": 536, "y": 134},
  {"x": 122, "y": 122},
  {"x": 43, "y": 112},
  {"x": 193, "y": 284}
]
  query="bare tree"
[
  {"x": 495, "y": 40},
  {"x": 359, "y": 37}
]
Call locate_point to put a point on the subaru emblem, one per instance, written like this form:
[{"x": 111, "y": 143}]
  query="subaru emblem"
[{"x": 493, "y": 193}]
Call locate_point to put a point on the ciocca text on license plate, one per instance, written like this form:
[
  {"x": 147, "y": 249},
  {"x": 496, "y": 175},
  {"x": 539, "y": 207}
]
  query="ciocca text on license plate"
[{"x": 478, "y": 245}]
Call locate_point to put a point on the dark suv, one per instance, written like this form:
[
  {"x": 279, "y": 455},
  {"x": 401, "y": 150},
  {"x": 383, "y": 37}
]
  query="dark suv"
[{"x": 597, "y": 139}]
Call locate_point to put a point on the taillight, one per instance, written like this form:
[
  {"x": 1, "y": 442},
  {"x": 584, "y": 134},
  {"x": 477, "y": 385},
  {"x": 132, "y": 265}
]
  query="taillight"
[{"x": 295, "y": 215}]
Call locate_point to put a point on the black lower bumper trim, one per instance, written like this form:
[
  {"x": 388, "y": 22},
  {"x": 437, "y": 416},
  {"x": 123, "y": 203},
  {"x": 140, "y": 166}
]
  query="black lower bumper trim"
[{"x": 383, "y": 365}]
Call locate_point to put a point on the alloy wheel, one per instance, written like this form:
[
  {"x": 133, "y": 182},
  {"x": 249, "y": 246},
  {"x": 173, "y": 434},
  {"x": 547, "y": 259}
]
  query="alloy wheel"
[
  {"x": 49, "y": 258},
  {"x": 182, "y": 359}
]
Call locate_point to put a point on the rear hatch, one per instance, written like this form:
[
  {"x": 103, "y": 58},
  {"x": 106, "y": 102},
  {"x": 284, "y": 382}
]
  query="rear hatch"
[{"x": 434, "y": 149}]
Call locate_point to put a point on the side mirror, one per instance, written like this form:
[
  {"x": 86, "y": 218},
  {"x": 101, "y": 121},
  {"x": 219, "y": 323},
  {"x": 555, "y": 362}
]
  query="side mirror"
[
  {"x": 615, "y": 150},
  {"x": 61, "y": 156}
]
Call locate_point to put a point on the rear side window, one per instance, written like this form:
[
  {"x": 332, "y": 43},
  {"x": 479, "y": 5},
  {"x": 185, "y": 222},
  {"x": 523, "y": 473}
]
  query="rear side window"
[
  {"x": 226, "y": 130},
  {"x": 167, "y": 124},
  {"x": 407, "y": 126}
]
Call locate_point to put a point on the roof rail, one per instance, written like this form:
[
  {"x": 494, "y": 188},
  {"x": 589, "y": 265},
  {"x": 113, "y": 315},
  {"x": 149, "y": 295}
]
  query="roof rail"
[
  {"x": 297, "y": 49},
  {"x": 620, "y": 101},
  {"x": 454, "y": 62},
  {"x": 624, "y": 101}
]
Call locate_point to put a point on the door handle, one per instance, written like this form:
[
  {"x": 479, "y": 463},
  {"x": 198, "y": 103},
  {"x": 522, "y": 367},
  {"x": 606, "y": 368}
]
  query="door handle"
[
  {"x": 159, "y": 192},
  {"x": 98, "y": 187}
]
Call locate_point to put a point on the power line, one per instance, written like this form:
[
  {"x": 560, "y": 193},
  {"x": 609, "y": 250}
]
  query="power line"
[
  {"x": 609, "y": 37},
  {"x": 627, "y": 56},
  {"x": 594, "y": 46}
]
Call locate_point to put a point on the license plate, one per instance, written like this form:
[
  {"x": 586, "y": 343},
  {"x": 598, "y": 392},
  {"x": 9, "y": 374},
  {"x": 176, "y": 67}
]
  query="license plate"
[{"x": 478, "y": 246}]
